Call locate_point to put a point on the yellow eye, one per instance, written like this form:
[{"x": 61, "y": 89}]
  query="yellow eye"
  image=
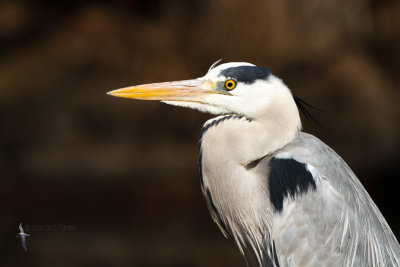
[{"x": 230, "y": 84}]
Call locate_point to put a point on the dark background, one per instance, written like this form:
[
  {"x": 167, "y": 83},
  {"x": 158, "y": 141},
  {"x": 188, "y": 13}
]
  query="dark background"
[{"x": 123, "y": 172}]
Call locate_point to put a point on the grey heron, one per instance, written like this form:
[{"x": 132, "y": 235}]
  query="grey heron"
[{"x": 283, "y": 196}]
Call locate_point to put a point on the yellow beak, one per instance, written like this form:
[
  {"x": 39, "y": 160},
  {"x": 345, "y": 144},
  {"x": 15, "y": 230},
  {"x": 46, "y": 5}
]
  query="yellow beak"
[{"x": 186, "y": 90}]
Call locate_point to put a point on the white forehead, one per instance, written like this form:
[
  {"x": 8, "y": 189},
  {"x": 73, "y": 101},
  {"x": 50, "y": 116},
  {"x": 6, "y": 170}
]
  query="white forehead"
[{"x": 213, "y": 73}]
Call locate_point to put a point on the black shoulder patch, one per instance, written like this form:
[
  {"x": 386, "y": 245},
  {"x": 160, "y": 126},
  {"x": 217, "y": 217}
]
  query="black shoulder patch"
[
  {"x": 246, "y": 74},
  {"x": 287, "y": 176}
]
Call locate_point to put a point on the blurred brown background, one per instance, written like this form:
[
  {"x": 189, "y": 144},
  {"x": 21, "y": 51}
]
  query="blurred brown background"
[{"x": 124, "y": 173}]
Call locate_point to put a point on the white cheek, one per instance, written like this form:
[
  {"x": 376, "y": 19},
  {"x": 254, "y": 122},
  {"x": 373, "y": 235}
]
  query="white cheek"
[
  {"x": 252, "y": 98},
  {"x": 258, "y": 88}
]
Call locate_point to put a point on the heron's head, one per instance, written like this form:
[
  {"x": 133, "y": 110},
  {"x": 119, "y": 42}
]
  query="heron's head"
[{"x": 231, "y": 88}]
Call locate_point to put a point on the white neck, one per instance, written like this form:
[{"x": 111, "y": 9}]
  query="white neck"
[
  {"x": 252, "y": 138},
  {"x": 227, "y": 147}
]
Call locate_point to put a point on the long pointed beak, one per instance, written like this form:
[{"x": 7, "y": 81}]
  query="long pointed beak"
[{"x": 186, "y": 90}]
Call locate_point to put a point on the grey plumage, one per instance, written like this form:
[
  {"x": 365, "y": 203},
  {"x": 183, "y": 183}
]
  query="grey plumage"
[
  {"x": 345, "y": 215},
  {"x": 336, "y": 225},
  {"x": 283, "y": 196}
]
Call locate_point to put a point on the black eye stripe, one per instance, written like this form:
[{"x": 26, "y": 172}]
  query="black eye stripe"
[{"x": 246, "y": 74}]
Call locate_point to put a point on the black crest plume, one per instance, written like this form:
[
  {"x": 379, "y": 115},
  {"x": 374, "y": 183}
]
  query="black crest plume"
[{"x": 302, "y": 105}]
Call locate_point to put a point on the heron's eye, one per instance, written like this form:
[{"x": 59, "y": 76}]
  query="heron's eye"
[{"x": 230, "y": 84}]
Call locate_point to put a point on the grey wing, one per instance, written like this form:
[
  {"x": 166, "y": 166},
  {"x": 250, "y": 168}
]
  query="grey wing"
[
  {"x": 337, "y": 224},
  {"x": 24, "y": 242},
  {"x": 21, "y": 229}
]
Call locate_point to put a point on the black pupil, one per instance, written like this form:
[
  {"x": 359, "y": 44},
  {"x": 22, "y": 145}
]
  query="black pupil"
[{"x": 230, "y": 84}]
